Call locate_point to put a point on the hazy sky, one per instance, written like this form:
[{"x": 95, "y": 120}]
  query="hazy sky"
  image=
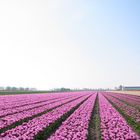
[{"x": 69, "y": 43}]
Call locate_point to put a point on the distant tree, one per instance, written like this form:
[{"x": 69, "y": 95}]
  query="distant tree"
[
  {"x": 21, "y": 89},
  {"x": 27, "y": 89},
  {"x": 64, "y": 89},
  {"x": 8, "y": 88},
  {"x": 14, "y": 88},
  {"x": 120, "y": 87},
  {"x": 1, "y": 88}
]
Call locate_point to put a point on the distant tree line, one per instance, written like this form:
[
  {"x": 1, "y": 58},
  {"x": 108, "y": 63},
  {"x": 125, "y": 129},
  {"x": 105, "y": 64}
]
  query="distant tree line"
[
  {"x": 8, "y": 88},
  {"x": 77, "y": 89},
  {"x": 61, "y": 89}
]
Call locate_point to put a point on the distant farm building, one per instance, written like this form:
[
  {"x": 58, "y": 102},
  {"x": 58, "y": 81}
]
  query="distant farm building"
[{"x": 135, "y": 88}]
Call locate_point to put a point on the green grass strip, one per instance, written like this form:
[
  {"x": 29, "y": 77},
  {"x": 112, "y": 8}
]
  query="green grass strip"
[{"x": 94, "y": 124}]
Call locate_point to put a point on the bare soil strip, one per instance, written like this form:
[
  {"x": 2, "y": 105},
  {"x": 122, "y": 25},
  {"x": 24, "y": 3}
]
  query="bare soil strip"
[
  {"x": 94, "y": 124},
  {"x": 128, "y": 92}
]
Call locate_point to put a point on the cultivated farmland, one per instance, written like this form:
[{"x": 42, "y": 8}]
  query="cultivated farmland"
[{"x": 84, "y": 115}]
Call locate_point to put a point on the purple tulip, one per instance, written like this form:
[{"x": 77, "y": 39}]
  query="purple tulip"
[
  {"x": 113, "y": 125},
  {"x": 76, "y": 126}
]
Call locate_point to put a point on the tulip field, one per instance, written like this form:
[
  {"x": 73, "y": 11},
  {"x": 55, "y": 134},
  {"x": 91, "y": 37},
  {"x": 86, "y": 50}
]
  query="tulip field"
[{"x": 81, "y": 115}]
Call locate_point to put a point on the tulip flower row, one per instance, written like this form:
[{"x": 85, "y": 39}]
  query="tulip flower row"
[
  {"x": 32, "y": 115},
  {"x": 76, "y": 126},
  {"x": 14, "y": 101},
  {"x": 113, "y": 125},
  {"x": 11, "y": 119},
  {"x": 130, "y": 111},
  {"x": 128, "y": 99},
  {"x": 134, "y": 96},
  {"x": 31, "y": 106},
  {"x": 29, "y": 129}
]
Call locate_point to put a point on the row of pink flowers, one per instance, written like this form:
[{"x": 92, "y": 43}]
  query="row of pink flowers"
[
  {"x": 113, "y": 125},
  {"x": 31, "y": 106},
  {"x": 130, "y": 111},
  {"x": 29, "y": 129},
  {"x": 14, "y": 101},
  {"x": 76, "y": 126},
  {"x": 10, "y": 119},
  {"x": 127, "y": 98},
  {"x": 137, "y": 97}
]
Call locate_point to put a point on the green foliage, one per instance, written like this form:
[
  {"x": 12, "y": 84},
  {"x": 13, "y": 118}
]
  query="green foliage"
[{"x": 94, "y": 123}]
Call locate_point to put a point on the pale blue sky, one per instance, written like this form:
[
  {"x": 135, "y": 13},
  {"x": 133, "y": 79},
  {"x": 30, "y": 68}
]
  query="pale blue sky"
[{"x": 69, "y": 43}]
